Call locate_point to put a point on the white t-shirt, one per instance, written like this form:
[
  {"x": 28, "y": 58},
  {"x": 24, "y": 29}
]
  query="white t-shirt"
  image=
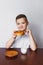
[{"x": 21, "y": 42}]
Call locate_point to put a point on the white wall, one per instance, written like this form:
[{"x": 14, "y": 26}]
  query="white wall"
[{"x": 9, "y": 9}]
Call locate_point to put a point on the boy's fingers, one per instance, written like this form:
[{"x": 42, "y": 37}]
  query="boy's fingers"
[
  {"x": 27, "y": 31},
  {"x": 14, "y": 35},
  {"x": 30, "y": 31}
]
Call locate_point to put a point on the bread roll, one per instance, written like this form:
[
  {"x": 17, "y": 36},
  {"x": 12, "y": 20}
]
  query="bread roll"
[{"x": 19, "y": 33}]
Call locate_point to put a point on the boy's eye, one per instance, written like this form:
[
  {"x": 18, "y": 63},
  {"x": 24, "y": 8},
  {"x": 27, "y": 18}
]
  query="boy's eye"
[
  {"x": 18, "y": 23},
  {"x": 23, "y": 22}
]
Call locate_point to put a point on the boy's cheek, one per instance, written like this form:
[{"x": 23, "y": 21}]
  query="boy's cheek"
[{"x": 25, "y": 26}]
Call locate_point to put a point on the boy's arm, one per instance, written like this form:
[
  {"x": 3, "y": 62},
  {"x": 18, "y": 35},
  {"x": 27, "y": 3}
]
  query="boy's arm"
[
  {"x": 10, "y": 42},
  {"x": 33, "y": 44}
]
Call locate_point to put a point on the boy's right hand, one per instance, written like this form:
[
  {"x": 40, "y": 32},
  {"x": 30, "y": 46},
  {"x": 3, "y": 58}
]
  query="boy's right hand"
[{"x": 14, "y": 35}]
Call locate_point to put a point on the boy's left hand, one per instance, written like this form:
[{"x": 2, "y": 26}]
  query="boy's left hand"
[{"x": 28, "y": 31}]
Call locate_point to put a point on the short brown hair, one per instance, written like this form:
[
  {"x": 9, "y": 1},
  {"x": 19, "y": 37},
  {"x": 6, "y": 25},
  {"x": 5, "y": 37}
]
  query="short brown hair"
[{"x": 21, "y": 16}]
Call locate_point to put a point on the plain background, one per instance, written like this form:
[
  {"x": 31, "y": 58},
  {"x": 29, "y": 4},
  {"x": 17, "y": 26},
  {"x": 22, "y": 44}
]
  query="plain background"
[{"x": 9, "y": 9}]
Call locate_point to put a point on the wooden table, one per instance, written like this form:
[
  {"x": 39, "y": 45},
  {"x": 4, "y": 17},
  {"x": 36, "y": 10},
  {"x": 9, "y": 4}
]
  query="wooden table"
[{"x": 31, "y": 58}]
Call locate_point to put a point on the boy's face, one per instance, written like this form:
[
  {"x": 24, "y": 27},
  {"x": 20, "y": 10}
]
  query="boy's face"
[{"x": 21, "y": 24}]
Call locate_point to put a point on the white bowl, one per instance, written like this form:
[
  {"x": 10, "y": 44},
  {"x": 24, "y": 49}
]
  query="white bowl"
[{"x": 23, "y": 50}]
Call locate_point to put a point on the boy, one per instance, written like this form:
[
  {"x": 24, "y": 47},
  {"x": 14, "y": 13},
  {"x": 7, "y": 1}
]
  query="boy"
[{"x": 26, "y": 39}]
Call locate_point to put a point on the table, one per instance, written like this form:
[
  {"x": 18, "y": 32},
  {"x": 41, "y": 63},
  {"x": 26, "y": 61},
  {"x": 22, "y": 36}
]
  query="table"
[{"x": 31, "y": 58}]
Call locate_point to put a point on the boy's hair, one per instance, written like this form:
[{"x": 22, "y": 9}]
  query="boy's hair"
[{"x": 21, "y": 16}]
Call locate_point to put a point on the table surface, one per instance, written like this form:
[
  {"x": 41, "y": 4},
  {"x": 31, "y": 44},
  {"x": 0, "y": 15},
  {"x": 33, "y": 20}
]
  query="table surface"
[{"x": 31, "y": 58}]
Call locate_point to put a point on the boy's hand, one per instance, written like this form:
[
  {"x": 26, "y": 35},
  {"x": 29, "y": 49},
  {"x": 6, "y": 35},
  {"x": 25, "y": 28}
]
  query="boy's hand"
[
  {"x": 28, "y": 31},
  {"x": 14, "y": 35}
]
